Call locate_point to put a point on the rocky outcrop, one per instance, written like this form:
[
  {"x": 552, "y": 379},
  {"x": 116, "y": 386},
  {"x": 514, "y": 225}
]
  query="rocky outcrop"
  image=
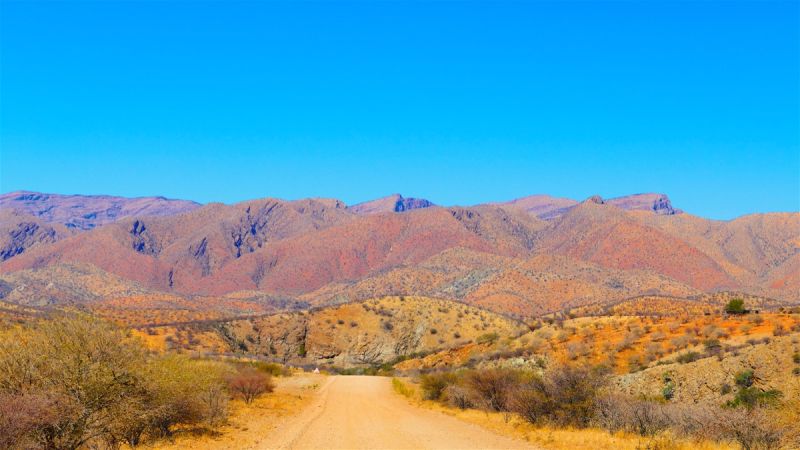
[
  {"x": 142, "y": 240},
  {"x": 391, "y": 203},
  {"x": 20, "y": 232},
  {"x": 656, "y": 203}
]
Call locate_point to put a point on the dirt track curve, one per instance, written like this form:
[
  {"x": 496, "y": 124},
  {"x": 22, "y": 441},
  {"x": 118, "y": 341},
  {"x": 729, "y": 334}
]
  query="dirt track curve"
[{"x": 362, "y": 412}]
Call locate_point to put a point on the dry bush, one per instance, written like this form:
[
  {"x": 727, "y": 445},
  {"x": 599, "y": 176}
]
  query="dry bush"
[
  {"x": 88, "y": 383},
  {"x": 493, "y": 388},
  {"x": 249, "y": 383},
  {"x": 21, "y": 415},
  {"x": 577, "y": 349},
  {"x": 459, "y": 396},
  {"x": 750, "y": 428},
  {"x": 562, "y": 396}
]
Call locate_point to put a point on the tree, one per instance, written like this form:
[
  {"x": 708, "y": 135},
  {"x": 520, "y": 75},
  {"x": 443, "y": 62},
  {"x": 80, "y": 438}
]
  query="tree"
[{"x": 735, "y": 306}]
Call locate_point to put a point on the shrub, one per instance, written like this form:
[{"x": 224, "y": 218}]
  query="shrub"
[
  {"x": 563, "y": 396},
  {"x": 459, "y": 396},
  {"x": 751, "y": 397},
  {"x": 434, "y": 384},
  {"x": 77, "y": 381},
  {"x": 249, "y": 384},
  {"x": 618, "y": 413},
  {"x": 22, "y": 415},
  {"x": 488, "y": 338},
  {"x": 744, "y": 379},
  {"x": 493, "y": 388},
  {"x": 712, "y": 345},
  {"x": 687, "y": 357}
]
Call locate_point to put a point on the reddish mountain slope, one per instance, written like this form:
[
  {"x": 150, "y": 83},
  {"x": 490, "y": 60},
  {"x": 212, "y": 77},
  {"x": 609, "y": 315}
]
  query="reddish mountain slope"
[
  {"x": 20, "y": 232},
  {"x": 85, "y": 212},
  {"x": 541, "y": 206},
  {"x": 498, "y": 256},
  {"x": 606, "y": 235}
]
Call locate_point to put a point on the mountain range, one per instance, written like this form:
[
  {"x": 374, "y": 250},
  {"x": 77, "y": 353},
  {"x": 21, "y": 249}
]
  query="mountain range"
[{"x": 529, "y": 256}]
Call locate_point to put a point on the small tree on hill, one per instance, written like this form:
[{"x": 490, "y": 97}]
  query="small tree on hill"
[{"x": 735, "y": 306}]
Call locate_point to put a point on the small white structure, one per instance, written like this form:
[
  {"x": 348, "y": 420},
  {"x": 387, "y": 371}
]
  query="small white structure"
[{"x": 316, "y": 369}]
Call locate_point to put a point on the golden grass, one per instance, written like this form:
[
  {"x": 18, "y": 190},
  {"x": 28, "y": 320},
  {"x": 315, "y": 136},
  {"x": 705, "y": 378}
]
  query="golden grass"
[{"x": 402, "y": 388}]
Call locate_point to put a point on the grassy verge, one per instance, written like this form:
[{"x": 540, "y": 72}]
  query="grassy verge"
[
  {"x": 402, "y": 389},
  {"x": 570, "y": 438}
]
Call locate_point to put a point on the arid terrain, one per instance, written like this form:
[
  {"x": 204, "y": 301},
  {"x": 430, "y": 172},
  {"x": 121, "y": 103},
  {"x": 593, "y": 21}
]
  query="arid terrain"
[{"x": 540, "y": 322}]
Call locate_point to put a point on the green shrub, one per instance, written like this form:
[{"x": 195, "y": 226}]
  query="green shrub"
[
  {"x": 751, "y": 397},
  {"x": 735, "y": 306},
  {"x": 744, "y": 379},
  {"x": 434, "y": 384}
]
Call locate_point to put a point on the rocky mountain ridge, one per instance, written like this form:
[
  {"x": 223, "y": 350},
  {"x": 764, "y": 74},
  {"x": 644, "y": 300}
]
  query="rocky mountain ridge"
[{"x": 500, "y": 256}]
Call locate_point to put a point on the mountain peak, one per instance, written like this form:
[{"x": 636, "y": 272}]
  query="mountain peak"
[
  {"x": 596, "y": 199},
  {"x": 390, "y": 203},
  {"x": 654, "y": 202}
]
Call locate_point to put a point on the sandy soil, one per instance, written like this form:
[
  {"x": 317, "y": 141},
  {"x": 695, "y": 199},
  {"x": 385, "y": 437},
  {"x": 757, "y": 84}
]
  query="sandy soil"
[{"x": 362, "y": 412}]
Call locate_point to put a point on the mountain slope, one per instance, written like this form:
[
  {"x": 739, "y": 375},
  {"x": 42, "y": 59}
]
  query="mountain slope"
[
  {"x": 85, "y": 212},
  {"x": 19, "y": 232},
  {"x": 499, "y": 256},
  {"x": 603, "y": 234}
]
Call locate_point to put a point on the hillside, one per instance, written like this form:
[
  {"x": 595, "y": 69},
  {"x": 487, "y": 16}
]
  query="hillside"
[
  {"x": 84, "y": 212},
  {"x": 503, "y": 256},
  {"x": 368, "y": 333}
]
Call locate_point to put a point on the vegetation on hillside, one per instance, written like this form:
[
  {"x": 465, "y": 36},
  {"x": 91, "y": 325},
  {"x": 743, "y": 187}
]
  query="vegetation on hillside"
[
  {"x": 582, "y": 397},
  {"x": 76, "y": 381}
]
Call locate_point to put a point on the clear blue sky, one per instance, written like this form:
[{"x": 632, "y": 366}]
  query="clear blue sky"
[{"x": 460, "y": 103}]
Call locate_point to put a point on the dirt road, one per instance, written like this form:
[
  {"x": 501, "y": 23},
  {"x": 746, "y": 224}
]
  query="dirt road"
[{"x": 361, "y": 412}]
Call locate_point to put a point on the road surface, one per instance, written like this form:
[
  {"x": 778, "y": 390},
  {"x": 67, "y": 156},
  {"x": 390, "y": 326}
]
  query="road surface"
[{"x": 363, "y": 412}]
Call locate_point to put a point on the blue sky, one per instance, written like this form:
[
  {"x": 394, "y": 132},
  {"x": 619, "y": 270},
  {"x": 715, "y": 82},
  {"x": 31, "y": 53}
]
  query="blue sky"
[{"x": 457, "y": 102}]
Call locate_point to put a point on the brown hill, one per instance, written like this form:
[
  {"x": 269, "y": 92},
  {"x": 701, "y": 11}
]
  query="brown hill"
[{"x": 368, "y": 333}]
